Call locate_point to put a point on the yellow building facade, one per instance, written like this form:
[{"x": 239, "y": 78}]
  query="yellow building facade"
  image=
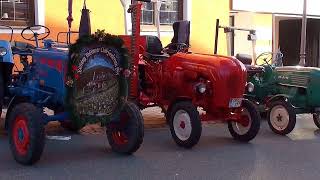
[{"x": 109, "y": 15}]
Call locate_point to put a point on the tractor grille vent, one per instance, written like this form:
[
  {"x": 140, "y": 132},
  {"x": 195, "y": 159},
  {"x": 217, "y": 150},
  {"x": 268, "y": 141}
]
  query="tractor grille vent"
[{"x": 299, "y": 80}]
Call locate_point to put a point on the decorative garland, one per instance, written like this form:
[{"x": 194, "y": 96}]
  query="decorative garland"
[{"x": 122, "y": 72}]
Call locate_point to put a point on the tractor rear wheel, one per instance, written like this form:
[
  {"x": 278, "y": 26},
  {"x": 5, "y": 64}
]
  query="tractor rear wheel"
[
  {"x": 316, "y": 119},
  {"x": 249, "y": 131},
  {"x": 185, "y": 124},
  {"x": 1, "y": 92},
  {"x": 26, "y": 133},
  {"x": 281, "y": 117},
  {"x": 126, "y": 136}
]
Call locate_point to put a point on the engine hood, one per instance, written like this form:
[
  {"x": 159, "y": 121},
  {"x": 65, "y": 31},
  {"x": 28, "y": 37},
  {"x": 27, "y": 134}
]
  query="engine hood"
[
  {"x": 227, "y": 74},
  {"x": 296, "y": 69},
  {"x": 221, "y": 66},
  {"x": 210, "y": 60}
]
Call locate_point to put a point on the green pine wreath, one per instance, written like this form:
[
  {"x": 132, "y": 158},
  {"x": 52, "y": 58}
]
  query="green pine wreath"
[{"x": 75, "y": 50}]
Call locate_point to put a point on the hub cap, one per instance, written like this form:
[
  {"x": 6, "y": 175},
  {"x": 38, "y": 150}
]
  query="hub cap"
[
  {"x": 182, "y": 125},
  {"x": 279, "y": 117},
  {"x": 240, "y": 128},
  {"x": 21, "y": 135}
]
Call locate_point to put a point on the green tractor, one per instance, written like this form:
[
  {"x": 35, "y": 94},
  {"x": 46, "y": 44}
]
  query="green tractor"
[
  {"x": 282, "y": 92},
  {"x": 279, "y": 92}
]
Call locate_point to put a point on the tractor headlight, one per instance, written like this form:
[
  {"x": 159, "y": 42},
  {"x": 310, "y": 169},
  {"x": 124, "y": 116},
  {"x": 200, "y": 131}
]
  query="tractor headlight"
[
  {"x": 250, "y": 87},
  {"x": 201, "y": 88},
  {"x": 3, "y": 51}
]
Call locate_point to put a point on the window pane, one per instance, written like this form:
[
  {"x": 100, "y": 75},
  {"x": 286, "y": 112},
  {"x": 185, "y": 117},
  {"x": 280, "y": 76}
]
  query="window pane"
[
  {"x": 169, "y": 12},
  {"x": 147, "y": 16},
  {"x": 16, "y": 10},
  {"x": 147, "y": 6}
]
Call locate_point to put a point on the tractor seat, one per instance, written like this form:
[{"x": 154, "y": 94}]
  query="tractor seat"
[
  {"x": 22, "y": 47},
  {"x": 254, "y": 69},
  {"x": 244, "y": 58},
  {"x": 181, "y": 39},
  {"x": 154, "y": 49}
]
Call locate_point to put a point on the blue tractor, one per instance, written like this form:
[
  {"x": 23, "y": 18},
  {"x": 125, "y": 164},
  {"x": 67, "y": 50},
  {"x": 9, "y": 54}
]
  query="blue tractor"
[{"x": 42, "y": 82}]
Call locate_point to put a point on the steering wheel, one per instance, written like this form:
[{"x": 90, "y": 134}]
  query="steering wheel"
[
  {"x": 35, "y": 36},
  {"x": 266, "y": 58}
]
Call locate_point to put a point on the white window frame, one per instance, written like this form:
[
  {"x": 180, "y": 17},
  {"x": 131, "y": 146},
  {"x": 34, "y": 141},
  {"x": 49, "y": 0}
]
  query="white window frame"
[
  {"x": 39, "y": 16},
  {"x": 187, "y": 15},
  {"x": 276, "y": 18}
]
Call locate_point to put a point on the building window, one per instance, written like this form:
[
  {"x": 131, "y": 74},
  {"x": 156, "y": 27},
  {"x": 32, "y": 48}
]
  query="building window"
[
  {"x": 170, "y": 12},
  {"x": 17, "y": 12}
]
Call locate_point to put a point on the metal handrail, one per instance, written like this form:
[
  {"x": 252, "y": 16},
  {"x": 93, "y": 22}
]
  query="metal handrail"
[{"x": 68, "y": 36}]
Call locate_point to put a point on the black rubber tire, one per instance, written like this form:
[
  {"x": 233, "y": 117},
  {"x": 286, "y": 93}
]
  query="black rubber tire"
[
  {"x": 292, "y": 117},
  {"x": 1, "y": 92},
  {"x": 316, "y": 119},
  {"x": 36, "y": 130},
  {"x": 134, "y": 128},
  {"x": 196, "y": 126},
  {"x": 255, "y": 123}
]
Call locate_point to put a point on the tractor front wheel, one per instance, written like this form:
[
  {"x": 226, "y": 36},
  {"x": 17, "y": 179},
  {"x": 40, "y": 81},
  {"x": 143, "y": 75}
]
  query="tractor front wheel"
[
  {"x": 126, "y": 136},
  {"x": 185, "y": 124},
  {"x": 248, "y": 131},
  {"x": 316, "y": 119},
  {"x": 281, "y": 117},
  {"x": 26, "y": 133}
]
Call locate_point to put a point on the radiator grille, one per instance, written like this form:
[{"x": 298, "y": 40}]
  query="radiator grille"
[{"x": 299, "y": 79}]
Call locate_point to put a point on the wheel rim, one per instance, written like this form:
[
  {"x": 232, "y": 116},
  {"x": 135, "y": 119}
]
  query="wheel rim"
[
  {"x": 182, "y": 125},
  {"x": 279, "y": 117},
  {"x": 120, "y": 136},
  {"x": 21, "y": 136},
  {"x": 242, "y": 129}
]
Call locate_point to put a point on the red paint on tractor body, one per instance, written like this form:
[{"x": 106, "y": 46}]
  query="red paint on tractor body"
[
  {"x": 176, "y": 77},
  {"x": 167, "y": 81}
]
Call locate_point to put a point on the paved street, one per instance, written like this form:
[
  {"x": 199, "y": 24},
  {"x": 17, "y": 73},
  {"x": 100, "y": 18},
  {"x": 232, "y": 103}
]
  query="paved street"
[{"x": 217, "y": 156}]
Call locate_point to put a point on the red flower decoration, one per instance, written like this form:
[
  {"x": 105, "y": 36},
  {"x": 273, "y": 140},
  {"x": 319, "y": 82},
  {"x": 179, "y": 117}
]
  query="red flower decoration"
[
  {"x": 76, "y": 76},
  {"x": 74, "y": 68}
]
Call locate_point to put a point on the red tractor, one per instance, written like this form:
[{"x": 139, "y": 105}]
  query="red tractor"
[{"x": 181, "y": 83}]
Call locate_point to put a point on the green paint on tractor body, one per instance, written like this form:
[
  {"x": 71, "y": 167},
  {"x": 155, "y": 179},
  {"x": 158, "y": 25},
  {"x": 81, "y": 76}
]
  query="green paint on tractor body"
[{"x": 298, "y": 85}]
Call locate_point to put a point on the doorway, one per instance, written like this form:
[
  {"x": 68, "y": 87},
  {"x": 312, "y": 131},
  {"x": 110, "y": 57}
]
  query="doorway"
[{"x": 290, "y": 39}]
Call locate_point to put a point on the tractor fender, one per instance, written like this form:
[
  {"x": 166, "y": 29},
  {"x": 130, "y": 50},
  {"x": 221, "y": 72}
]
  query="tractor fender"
[
  {"x": 178, "y": 99},
  {"x": 284, "y": 97},
  {"x": 14, "y": 101}
]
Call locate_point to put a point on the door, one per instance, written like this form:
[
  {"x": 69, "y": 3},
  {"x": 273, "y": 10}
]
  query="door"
[{"x": 290, "y": 39}]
